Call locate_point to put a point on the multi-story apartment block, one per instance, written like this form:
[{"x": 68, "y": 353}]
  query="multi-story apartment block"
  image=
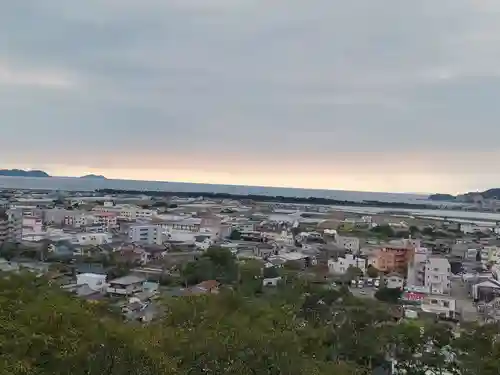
[
  {"x": 417, "y": 266},
  {"x": 437, "y": 275},
  {"x": 393, "y": 259},
  {"x": 11, "y": 225},
  {"x": 149, "y": 234},
  {"x": 106, "y": 219}
]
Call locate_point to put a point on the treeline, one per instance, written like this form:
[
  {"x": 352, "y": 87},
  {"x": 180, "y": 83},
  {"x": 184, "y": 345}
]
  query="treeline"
[
  {"x": 298, "y": 327},
  {"x": 267, "y": 198}
]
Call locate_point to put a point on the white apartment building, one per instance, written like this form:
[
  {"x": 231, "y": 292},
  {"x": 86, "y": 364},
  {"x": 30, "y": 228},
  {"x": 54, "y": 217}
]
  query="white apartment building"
[
  {"x": 149, "y": 234},
  {"x": 341, "y": 265},
  {"x": 145, "y": 214},
  {"x": 417, "y": 266},
  {"x": 437, "y": 275}
]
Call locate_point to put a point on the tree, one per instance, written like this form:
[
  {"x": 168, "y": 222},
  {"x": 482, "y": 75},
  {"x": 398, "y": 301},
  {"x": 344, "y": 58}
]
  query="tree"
[
  {"x": 391, "y": 295},
  {"x": 372, "y": 272},
  {"x": 45, "y": 331},
  {"x": 414, "y": 230},
  {"x": 384, "y": 231},
  {"x": 235, "y": 235},
  {"x": 353, "y": 273},
  {"x": 270, "y": 272},
  {"x": 215, "y": 264}
]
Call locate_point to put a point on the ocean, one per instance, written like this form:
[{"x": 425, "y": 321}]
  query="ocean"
[{"x": 87, "y": 184}]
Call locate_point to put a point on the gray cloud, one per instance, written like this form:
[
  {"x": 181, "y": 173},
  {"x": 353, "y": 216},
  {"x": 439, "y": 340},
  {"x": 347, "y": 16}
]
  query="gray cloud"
[{"x": 271, "y": 77}]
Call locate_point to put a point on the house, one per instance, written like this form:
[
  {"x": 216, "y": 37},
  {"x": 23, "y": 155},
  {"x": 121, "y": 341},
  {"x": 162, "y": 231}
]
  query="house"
[
  {"x": 203, "y": 242},
  {"x": 486, "y": 290},
  {"x": 394, "y": 281},
  {"x": 342, "y": 264},
  {"x": 271, "y": 281},
  {"x": 96, "y": 282},
  {"x": 440, "y": 305},
  {"x": 126, "y": 285},
  {"x": 205, "y": 287}
]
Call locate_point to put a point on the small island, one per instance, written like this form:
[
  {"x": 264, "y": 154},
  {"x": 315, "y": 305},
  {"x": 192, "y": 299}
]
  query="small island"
[
  {"x": 94, "y": 176},
  {"x": 23, "y": 173}
]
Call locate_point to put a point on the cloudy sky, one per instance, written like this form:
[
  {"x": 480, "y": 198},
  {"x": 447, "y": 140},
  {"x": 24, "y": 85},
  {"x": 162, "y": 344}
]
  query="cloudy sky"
[{"x": 385, "y": 95}]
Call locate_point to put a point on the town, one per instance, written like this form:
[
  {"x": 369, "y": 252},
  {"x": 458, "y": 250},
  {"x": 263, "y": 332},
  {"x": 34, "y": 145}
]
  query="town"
[{"x": 134, "y": 249}]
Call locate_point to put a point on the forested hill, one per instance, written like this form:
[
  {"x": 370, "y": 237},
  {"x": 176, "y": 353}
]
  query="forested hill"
[{"x": 300, "y": 327}]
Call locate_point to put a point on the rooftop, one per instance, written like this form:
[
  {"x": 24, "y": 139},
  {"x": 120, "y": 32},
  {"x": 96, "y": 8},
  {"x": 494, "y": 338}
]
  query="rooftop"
[{"x": 128, "y": 280}]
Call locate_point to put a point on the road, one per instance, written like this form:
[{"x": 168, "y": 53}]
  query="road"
[
  {"x": 366, "y": 292},
  {"x": 464, "y": 301}
]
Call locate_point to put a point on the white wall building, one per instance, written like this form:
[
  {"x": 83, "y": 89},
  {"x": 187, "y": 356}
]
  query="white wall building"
[
  {"x": 437, "y": 275},
  {"x": 417, "y": 266},
  {"x": 148, "y": 234},
  {"x": 440, "y": 305},
  {"x": 341, "y": 265},
  {"x": 93, "y": 280},
  {"x": 91, "y": 238}
]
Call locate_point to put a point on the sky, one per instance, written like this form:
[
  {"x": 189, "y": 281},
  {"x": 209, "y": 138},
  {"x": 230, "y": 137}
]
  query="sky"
[{"x": 386, "y": 95}]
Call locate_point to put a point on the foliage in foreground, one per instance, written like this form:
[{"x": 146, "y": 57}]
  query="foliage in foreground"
[{"x": 298, "y": 329}]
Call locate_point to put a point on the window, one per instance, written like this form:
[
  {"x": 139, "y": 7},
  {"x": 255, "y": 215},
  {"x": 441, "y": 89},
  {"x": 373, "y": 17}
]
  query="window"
[
  {"x": 433, "y": 302},
  {"x": 446, "y": 303}
]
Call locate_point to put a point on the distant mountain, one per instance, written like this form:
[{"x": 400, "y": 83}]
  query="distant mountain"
[
  {"x": 442, "y": 197},
  {"x": 94, "y": 176},
  {"x": 470, "y": 197},
  {"x": 491, "y": 193},
  {"x": 22, "y": 173}
]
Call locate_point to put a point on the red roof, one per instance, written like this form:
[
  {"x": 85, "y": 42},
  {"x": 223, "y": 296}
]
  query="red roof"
[{"x": 208, "y": 284}]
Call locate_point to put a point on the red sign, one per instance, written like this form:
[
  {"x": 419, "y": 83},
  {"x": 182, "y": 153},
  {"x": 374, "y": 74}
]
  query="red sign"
[{"x": 414, "y": 296}]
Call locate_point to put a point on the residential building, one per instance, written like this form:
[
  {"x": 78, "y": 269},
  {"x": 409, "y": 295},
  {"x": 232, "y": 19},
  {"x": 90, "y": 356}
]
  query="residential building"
[
  {"x": 393, "y": 258},
  {"x": 144, "y": 214},
  {"x": 205, "y": 287},
  {"x": 106, "y": 219},
  {"x": 147, "y": 233},
  {"x": 10, "y": 226},
  {"x": 416, "y": 267},
  {"x": 440, "y": 305},
  {"x": 126, "y": 285},
  {"x": 341, "y": 265},
  {"x": 394, "y": 281},
  {"x": 4, "y": 227},
  {"x": 437, "y": 275},
  {"x": 96, "y": 282},
  {"x": 349, "y": 243},
  {"x": 470, "y": 228},
  {"x": 31, "y": 224},
  {"x": 91, "y": 238},
  {"x": 490, "y": 255}
]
